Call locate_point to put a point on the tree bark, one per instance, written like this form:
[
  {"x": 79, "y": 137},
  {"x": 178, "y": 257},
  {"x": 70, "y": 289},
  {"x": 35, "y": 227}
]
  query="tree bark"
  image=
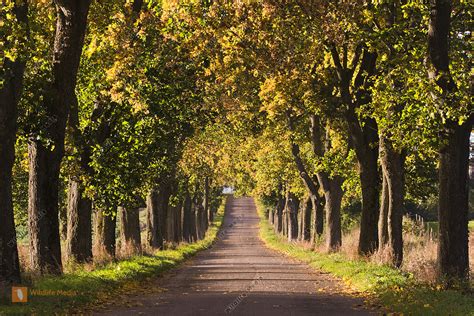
[
  {"x": 63, "y": 222},
  {"x": 292, "y": 206},
  {"x": 333, "y": 196},
  {"x": 270, "y": 216},
  {"x": 178, "y": 232},
  {"x": 453, "y": 207},
  {"x": 279, "y": 212},
  {"x": 187, "y": 218},
  {"x": 170, "y": 223},
  {"x": 392, "y": 163},
  {"x": 284, "y": 230},
  {"x": 79, "y": 224},
  {"x": 105, "y": 234},
  {"x": 306, "y": 219},
  {"x": 300, "y": 222},
  {"x": 163, "y": 199},
  {"x": 194, "y": 222},
  {"x": 383, "y": 214},
  {"x": 130, "y": 240},
  {"x": 199, "y": 221},
  {"x": 317, "y": 215},
  {"x": 10, "y": 93},
  {"x": 154, "y": 233},
  {"x": 453, "y": 250},
  {"x": 369, "y": 176},
  {"x": 205, "y": 204},
  {"x": 45, "y": 160}
]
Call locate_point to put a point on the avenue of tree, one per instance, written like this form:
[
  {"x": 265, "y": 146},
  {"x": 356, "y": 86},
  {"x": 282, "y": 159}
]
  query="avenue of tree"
[{"x": 315, "y": 107}]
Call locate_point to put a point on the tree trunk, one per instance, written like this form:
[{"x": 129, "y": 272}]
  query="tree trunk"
[
  {"x": 333, "y": 196},
  {"x": 284, "y": 230},
  {"x": 368, "y": 240},
  {"x": 317, "y": 216},
  {"x": 178, "y": 231},
  {"x": 154, "y": 233},
  {"x": 453, "y": 208},
  {"x": 205, "y": 204},
  {"x": 193, "y": 224},
  {"x": 63, "y": 222},
  {"x": 363, "y": 137},
  {"x": 393, "y": 169},
  {"x": 306, "y": 219},
  {"x": 364, "y": 140},
  {"x": 292, "y": 206},
  {"x": 43, "y": 221},
  {"x": 79, "y": 224},
  {"x": 279, "y": 213},
  {"x": 45, "y": 160},
  {"x": 187, "y": 218},
  {"x": 383, "y": 213},
  {"x": 203, "y": 220},
  {"x": 130, "y": 240},
  {"x": 10, "y": 93},
  {"x": 300, "y": 222},
  {"x": 105, "y": 234},
  {"x": 270, "y": 216},
  {"x": 163, "y": 199},
  {"x": 170, "y": 223},
  {"x": 199, "y": 216},
  {"x": 9, "y": 264}
]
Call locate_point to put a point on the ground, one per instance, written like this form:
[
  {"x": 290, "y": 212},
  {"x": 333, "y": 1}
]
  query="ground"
[{"x": 240, "y": 276}]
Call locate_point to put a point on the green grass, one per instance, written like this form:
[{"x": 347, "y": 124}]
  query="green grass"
[
  {"x": 395, "y": 290},
  {"x": 89, "y": 288}
]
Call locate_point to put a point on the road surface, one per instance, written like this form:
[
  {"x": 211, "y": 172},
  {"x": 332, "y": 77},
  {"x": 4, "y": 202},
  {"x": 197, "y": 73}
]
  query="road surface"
[{"x": 240, "y": 276}]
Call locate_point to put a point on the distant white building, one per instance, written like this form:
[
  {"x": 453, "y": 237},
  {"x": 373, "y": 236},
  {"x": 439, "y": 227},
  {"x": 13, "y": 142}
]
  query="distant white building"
[{"x": 228, "y": 190}]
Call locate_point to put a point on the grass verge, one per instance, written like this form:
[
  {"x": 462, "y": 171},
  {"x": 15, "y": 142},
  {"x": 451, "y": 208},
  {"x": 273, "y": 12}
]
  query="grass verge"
[
  {"x": 389, "y": 287},
  {"x": 86, "y": 289}
]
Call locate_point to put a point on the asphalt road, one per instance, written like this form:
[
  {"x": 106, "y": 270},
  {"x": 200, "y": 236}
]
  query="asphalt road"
[{"x": 240, "y": 276}]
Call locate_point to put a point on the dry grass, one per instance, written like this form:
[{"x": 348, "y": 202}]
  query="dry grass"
[
  {"x": 350, "y": 242},
  {"x": 24, "y": 256},
  {"x": 419, "y": 249}
]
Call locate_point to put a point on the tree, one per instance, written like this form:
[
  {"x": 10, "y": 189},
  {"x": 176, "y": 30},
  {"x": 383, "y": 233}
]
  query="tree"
[
  {"x": 391, "y": 101},
  {"x": 45, "y": 159},
  {"x": 11, "y": 84},
  {"x": 81, "y": 141},
  {"x": 453, "y": 258}
]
